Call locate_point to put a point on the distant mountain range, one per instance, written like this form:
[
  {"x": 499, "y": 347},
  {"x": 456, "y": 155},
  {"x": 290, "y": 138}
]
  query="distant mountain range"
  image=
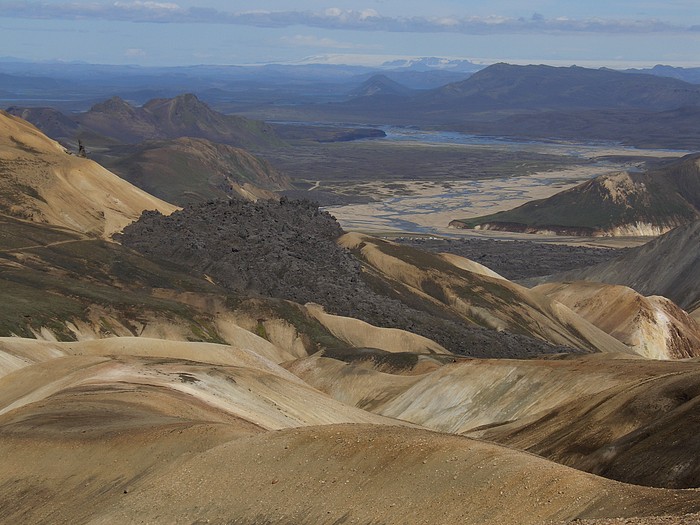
[
  {"x": 115, "y": 121},
  {"x": 687, "y": 74},
  {"x": 544, "y": 102},
  {"x": 504, "y": 89},
  {"x": 649, "y": 203},
  {"x": 504, "y": 86}
]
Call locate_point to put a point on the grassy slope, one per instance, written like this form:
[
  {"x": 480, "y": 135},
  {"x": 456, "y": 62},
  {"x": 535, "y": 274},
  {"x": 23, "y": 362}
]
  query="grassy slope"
[
  {"x": 55, "y": 276},
  {"x": 186, "y": 170}
]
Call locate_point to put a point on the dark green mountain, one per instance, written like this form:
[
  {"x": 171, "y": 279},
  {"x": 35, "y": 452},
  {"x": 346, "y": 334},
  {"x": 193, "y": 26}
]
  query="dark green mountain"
[
  {"x": 505, "y": 86},
  {"x": 648, "y": 203},
  {"x": 187, "y": 170}
]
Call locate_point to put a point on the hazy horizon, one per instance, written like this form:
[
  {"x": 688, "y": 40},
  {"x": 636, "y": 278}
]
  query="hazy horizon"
[{"x": 214, "y": 32}]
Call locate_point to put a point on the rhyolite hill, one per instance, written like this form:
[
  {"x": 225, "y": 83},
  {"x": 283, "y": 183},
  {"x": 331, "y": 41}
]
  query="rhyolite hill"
[{"x": 668, "y": 266}]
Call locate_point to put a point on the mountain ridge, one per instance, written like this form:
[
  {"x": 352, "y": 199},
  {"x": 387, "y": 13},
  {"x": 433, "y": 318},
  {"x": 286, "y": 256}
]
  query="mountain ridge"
[
  {"x": 548, "y": 87},
  {"x": 117, "y": 121}
]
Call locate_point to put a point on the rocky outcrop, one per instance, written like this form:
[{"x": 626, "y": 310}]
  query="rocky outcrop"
[{"x": 288, "y": 250}]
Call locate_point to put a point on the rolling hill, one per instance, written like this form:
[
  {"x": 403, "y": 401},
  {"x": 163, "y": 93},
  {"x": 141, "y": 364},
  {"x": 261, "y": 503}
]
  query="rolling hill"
[
  {"x": 612, "y": 415},
  {"x": 630, "y": 203},
  {"x": 653, "y": 327},
  {"x": 668, "y": 266},
  {"x": 617, "y": 432},
  {"x": 188, "y": 170},
  {"x": 122, "y": 435}
]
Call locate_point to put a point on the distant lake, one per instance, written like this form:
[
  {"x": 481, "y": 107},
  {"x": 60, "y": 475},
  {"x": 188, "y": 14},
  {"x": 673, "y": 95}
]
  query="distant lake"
[
  {"x": 574, "y": 149},
  {"x": 411, "y": 134}
]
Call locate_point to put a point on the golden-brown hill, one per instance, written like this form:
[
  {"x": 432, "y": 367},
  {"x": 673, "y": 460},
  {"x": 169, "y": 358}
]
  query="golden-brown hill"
[{"x": 41, "y": 182}]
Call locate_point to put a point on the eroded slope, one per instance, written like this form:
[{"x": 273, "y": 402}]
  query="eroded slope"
[{"x": 41, "y": 182}]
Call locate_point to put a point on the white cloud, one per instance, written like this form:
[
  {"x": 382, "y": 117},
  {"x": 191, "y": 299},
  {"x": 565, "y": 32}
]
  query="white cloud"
[
  {"x": 333, "y": 11},
  {"x": 146, "y": 5},
  {"x": 333, "y": 18},
  {"x": 368, "y": 13}
]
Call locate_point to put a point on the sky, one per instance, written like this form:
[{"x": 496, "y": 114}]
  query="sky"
[{"x": 615, "y": 33}]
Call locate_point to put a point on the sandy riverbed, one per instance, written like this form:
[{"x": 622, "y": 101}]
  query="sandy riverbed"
[{"x": 427, "y": 207}]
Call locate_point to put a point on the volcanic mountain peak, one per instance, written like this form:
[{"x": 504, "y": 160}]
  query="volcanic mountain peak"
[
  {"x": 180, "y": 107},
  {"x": 186, "y": 115},
  {"x": 381, "y": 85},
  {"x": 113, "y": 105}
]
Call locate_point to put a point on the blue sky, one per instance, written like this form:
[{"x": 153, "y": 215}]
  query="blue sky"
[{"x": 182, "y": 32}]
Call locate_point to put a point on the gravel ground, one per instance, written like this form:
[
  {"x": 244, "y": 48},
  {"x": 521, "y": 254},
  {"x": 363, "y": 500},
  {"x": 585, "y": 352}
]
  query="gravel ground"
[
  {"x": 518, "y": 259},
  {"x": 688, "y": 519}
]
